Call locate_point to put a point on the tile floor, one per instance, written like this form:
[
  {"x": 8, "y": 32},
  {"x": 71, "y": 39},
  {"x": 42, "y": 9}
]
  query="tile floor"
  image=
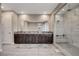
[
  {"x": 73, "y": 50},
  {"x": 31, "y": 50}
]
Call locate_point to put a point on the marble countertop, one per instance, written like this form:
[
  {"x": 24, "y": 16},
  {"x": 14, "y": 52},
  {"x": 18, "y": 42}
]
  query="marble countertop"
[{"x": 33, "y": 32}]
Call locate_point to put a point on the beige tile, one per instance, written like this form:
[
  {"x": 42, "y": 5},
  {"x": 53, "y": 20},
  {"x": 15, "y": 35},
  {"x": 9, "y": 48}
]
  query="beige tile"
[{"x": 29, "y": 50}]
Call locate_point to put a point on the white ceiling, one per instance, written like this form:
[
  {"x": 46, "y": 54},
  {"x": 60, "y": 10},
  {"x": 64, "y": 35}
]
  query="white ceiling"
[
  {"x": 67, "y": 7},
  {"x": 30, "y": 8}
]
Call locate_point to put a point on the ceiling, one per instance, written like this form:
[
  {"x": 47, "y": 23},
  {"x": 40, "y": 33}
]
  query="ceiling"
[
  {"x": 69, "y": 6},
  {"x": 30, "y": 8}
]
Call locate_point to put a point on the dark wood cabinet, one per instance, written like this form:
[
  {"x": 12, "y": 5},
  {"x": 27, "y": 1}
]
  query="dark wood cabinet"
[{"x": 33, "y": 38}]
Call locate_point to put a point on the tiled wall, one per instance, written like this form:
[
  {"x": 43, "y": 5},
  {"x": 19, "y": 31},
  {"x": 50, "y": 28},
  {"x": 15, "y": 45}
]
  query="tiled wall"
[
  {"x": 59, "y": 29},
  {"x": 51, "y": 23},
  {"x": 71, "y": 22},
  {"x": 15, "y": 22},
  {"x": 69, "y": 26},
  {"x": 26, "y": 22},
  {"x": 0, "y": 29},
  {"x": 6, "y": 21}
]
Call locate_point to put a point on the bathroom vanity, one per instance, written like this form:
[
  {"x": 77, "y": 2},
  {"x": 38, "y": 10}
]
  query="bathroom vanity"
[{"x": 33, "y": 38}]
